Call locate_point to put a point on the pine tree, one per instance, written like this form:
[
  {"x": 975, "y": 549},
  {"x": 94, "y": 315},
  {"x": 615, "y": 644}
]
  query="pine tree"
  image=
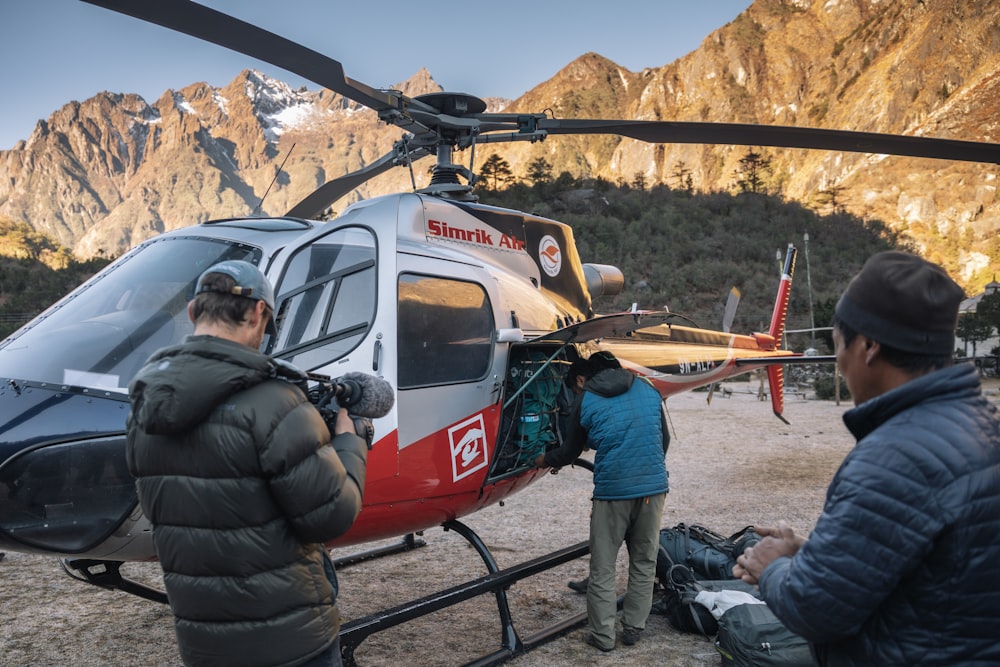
[
  {"x": 753, "y": 170},
  {"x": 495, "y": 173},
  {"x": 540, "y": 172}
]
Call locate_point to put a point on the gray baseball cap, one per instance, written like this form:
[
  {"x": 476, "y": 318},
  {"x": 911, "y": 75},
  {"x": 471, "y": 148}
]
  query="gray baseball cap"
[{"x": 250, "y": 283}]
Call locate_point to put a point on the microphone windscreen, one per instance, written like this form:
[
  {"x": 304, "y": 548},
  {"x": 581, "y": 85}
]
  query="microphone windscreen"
[{"x": 376, "y": 398}]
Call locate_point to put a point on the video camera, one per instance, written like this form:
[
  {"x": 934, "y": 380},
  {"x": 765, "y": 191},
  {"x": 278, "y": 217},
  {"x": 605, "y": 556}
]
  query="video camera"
[
  {"x": 327, "y": 395},
  {"x": 363, "y": 396}
]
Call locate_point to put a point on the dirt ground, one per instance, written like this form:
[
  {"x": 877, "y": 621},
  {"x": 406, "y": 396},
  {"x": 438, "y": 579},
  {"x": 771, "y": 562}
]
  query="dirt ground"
[{"x": 732, "y": 463}]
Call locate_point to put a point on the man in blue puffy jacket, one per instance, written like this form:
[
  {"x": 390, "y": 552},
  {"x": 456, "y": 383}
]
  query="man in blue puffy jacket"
[
  {"x": 903, "y": 565},
  {"x": 620, "y": 417}
]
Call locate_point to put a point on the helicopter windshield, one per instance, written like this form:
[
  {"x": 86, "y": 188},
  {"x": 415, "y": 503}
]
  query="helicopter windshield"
[{"x": 102, "y": 333}]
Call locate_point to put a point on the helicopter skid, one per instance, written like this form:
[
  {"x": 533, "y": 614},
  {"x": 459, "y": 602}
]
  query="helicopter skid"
[
  {"x": 107, "y": 574},
  {"x": 407, "y": 543},
  {"x": 352, "y": 634}
]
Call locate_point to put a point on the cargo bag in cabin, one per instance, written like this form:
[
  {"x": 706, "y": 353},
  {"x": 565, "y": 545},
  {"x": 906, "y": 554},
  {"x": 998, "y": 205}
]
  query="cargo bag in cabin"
[
  {"x": 530, "y": 419},
  {"x": 750, "y": 635}
]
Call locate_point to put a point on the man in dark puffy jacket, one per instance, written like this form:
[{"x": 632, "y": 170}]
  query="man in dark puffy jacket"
[
  {"x": 236, "y": 471},
  {"x": 620, "y": 417},
  {"x": 903, "y": 565}
]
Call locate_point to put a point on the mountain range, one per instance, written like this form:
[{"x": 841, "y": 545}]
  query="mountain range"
[{"x": 101, "y": 175}]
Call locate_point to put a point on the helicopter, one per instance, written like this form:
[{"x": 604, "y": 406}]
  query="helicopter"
[{"x": 471, "y": 313}]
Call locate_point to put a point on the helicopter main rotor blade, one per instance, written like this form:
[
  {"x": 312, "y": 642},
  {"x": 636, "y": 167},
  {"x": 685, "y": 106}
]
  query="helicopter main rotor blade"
[
  {"x": 323, "y": 196},
  {"x": 213, "y": 26},
  {"x": 432, "y": 125},
  {"x": 737, "y": 134}
]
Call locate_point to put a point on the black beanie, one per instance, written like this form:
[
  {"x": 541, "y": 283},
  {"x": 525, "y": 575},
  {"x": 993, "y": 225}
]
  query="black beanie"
[
  {"x": 903, "y": 302},
  {"x": 590, "y": 367}
]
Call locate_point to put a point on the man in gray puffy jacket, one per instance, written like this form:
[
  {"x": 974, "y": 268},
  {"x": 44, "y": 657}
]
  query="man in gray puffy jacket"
[
  {"x": 236, "y": 471},
  {"x": 903, "y": 565}
]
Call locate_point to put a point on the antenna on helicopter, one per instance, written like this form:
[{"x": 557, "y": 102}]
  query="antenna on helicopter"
[{"x": 256, "y": 210}]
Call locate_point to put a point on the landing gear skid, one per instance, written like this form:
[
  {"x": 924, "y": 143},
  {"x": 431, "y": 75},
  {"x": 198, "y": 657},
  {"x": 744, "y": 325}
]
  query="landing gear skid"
[
  {"x": 107, "y": 574},
  {"x": 497, "y": 582},
  {"x": 408, "y": 543}
]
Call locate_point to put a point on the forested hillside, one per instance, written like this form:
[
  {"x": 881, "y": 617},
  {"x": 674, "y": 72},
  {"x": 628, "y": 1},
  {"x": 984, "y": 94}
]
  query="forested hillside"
[{"x": 34, "y": 272}]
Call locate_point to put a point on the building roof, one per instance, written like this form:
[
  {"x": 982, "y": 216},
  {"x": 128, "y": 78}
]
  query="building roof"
[{"x": 969, "y": 305}]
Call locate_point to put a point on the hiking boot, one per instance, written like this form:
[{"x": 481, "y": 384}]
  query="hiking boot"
[
  {"x": 590, "y": 639},
  {"x": 579, "y": 586},
  {"x": 631, "y": 636}
]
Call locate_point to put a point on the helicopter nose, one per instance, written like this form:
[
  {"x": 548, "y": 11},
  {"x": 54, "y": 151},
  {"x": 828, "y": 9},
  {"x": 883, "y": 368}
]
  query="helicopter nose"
[{"x": 66, "y": 497}]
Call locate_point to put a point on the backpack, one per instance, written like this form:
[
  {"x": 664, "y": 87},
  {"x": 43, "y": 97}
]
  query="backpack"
[
  {"x": 677, "y": 603},
  {"x": 750, "y": 635},
  {"x": 708, "y": 553},
  {"x": 678, "y": 600}
]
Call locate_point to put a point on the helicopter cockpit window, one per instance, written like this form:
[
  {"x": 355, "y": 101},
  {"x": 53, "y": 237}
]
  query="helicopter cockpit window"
[
  {"x": 445, "y": 331},
  {"x": 104, "y": 332},
  {"x": 327, "y": 298}
]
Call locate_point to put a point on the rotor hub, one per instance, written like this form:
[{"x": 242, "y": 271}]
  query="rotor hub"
[{"x": 453, "y": 104}]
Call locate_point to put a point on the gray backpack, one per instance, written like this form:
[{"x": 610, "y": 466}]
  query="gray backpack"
[{"x": 750, "y": 635}]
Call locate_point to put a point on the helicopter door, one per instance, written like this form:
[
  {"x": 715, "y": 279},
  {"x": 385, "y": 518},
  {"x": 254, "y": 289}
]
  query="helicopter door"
[{"x": 445, "y": 373}]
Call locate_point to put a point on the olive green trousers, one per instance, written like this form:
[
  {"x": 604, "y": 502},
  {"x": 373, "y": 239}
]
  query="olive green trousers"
[{"x": 636, "y": 522}]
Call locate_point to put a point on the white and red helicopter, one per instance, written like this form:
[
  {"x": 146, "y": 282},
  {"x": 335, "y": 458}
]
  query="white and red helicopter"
[{"x": 469, "y": 312}]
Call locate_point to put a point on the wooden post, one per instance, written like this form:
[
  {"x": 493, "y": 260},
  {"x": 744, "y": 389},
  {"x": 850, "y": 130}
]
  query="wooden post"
[{"x": 836, "y": 383}]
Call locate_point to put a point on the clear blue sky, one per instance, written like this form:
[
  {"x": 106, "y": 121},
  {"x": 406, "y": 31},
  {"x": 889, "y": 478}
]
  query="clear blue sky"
[{"x": 55, "y": 51}]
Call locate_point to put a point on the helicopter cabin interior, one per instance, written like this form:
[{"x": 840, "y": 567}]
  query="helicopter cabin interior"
[{"x": 536, "y": 405}]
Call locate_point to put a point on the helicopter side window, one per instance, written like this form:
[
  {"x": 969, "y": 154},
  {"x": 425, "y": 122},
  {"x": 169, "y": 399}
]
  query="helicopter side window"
[
  {"x": 445, "y": 331},
  {"x": 326, "y": 299}
]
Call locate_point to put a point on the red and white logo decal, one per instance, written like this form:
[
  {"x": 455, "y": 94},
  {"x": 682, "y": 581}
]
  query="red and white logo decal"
[
  {"x": 549, "y": 255},
  {"x": 468, "y": 447}
]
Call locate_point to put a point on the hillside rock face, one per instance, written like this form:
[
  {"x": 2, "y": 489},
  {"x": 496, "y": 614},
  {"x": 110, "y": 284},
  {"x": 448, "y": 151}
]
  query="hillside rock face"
[
  {"x": 105, "y": 174},
  {"x": 923, "y": 68}
]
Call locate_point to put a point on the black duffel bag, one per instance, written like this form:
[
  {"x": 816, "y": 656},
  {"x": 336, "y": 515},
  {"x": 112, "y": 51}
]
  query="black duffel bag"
[
  {"x": 709, "y": 554},
  {"x": 750, "y": 635}
]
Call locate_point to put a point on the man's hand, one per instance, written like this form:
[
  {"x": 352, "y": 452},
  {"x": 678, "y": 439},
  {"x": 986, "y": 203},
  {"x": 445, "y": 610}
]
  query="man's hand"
[
  {"x": 777, "y": 541},
  {"x": 540, "y": 461},
  {"x": 344, "y": 422}
]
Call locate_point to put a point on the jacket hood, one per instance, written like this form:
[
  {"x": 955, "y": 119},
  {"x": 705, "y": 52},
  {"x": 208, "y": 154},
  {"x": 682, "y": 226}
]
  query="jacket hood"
[
  {"x": 181, "y": 385},
  {"x": 610, "y": 382}
]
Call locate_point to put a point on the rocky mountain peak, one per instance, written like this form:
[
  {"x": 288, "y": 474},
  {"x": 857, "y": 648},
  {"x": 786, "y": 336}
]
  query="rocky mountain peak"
[{"x": 103, "y": 174}]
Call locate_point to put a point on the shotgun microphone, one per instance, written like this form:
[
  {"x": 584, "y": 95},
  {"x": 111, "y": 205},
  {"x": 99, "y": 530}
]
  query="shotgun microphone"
[{"x": 363, "y": 395}]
